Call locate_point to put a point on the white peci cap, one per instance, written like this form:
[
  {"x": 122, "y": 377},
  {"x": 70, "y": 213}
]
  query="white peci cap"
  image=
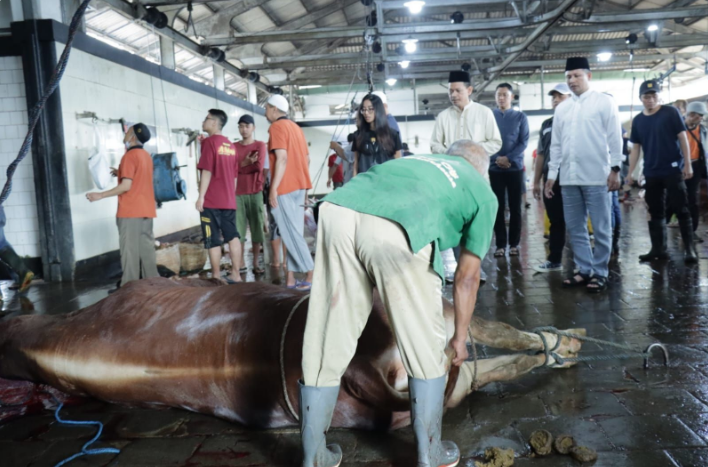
[{"x": 279, "y": 102}]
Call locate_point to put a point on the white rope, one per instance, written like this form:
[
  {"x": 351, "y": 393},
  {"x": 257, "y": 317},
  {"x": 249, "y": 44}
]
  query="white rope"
[{"x": 282, "y": 359}]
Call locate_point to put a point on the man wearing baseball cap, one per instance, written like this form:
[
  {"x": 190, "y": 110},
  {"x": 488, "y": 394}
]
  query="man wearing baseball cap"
[
  {"x": 661, "y": 133},
  {"x": 249, "y": 190},
  {"x": 136, "y": 207},
  {"x": 554, "y": 205},
  {"x": 697, "y": 136},
  {"x": 290, "y": 180}
]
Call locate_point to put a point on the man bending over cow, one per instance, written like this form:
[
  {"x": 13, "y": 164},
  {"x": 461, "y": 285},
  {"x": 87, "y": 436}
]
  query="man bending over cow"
[{"x": 385, "y": 229}]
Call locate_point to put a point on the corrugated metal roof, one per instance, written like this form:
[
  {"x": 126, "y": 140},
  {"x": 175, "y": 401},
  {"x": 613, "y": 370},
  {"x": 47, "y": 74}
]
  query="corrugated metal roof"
[{"x": 133, "y": 36}]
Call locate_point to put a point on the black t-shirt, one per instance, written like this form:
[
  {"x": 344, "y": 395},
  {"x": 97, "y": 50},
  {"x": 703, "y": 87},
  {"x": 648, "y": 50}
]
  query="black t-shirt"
[
  {"x": 658, "y": 135},
  {"x": 371, "y": 153},
  {"x": 544, "y": 144}
]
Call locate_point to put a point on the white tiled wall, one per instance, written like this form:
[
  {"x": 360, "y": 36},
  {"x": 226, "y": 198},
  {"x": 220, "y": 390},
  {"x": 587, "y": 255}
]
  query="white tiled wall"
[
  {"x": 22, "y": 228},
  {"x": 112, "y": 91}
]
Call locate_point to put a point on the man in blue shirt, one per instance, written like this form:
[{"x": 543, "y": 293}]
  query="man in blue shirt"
[
  {"x": 506, "y": 169},
  {"x": 660, "y": 131}
]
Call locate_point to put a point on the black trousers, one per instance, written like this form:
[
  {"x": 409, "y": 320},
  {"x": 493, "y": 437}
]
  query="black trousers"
[
  {"x": 510, "y": 183},
  {"x": 667, "y": 194},
  {"x": 554, "y": 209},
  {"x": 693, "y": 186}
]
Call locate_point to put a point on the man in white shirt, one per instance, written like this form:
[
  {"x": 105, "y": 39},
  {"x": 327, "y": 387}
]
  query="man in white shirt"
[
  {"x": 586, "y": 148},
  {"x": 464, "y": 119}
]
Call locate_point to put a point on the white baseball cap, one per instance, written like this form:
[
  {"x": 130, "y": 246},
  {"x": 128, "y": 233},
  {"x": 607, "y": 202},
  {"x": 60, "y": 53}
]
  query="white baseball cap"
[
  {"x": 279, "y": 102},
  {"x": 561, "y": 88},
  {"x": 381, "y": 96}
]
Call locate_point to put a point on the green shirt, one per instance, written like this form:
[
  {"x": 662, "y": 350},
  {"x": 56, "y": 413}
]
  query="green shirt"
[{"x": 436, "y": 199}]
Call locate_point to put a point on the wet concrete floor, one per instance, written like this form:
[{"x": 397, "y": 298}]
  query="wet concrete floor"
[{"x": 632, "y": 417}]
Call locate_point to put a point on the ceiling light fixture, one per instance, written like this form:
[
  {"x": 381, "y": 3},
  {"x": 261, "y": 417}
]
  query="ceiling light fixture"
[
  {"x": 411, "y": 45},
  {"x": 457, "y": 17},
  {"x": 631, "y": 39},
  {"x": 604, "y": 56},
  {"x": 636, "y": 70},
  {"x": 653, "y": 27},
  {"x": 415, "y": 6},
  {"x": 404, "y": 63},
  {"x": 391, "y": 81},
  {"x": 310, "y": 86}
]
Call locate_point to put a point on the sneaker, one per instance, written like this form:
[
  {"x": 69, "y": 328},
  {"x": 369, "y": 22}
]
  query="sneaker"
[{"x": 548, "y": 267}]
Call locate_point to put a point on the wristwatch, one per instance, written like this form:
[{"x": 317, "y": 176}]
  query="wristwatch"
[{"x": 616, "y": 169}]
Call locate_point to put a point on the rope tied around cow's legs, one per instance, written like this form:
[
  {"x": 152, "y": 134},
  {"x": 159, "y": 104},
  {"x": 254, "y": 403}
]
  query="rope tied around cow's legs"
[{"x": 282, "y": 358}]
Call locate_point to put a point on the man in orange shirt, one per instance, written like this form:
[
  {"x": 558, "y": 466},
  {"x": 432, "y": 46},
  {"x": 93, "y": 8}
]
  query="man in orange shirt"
[
  {"x": 136, "y": 207},
  {"x": 697, "y": 135},
  {"x": 290, "y": 180}
]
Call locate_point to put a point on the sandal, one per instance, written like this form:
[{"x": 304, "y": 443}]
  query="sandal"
[
  {"x": 258, "y": 271},
  {"x": 303, "y": 286},
  {"x": 574, "y": 282},
  {"x": 597, "y": 284},
  {"x": 514, "y": 251},
  {"x": 499, "y": 253}
]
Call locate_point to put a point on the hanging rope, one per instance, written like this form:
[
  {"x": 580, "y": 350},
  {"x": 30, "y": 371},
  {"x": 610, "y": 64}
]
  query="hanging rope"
[{"x": 48, "y": 91}]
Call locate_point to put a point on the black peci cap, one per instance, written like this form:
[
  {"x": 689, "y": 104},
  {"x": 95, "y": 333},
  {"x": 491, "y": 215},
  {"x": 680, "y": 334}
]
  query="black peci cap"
[
  {"x": 459, "y": 77},
  {"x": 142, "y": 132},
  {"x": 577, "y": 63}
]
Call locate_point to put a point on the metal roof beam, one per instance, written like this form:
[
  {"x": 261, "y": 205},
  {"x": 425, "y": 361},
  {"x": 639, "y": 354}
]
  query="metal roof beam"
[
  {"x": 444, "y": 30},
  {"x": 136, "y": 12}
]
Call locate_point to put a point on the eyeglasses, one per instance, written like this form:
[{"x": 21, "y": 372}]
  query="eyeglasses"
[{"x": 367, "y": 110}]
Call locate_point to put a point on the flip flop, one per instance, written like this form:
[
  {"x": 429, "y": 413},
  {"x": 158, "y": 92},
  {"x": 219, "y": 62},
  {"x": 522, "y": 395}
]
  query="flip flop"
[
  {"x": 304, "y": 286},
  {"x": 514, "y": 251},
  {"x": 499, "y": 253},
  {"x": 258, "y": 271},
  {"x": 231, "y": 281}
]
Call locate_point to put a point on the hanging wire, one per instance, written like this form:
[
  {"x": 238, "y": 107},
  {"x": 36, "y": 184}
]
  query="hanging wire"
[{"x": 48, "y": 91}]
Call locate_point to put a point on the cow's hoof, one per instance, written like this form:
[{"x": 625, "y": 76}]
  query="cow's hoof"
[{"x": 569, "y": 344}]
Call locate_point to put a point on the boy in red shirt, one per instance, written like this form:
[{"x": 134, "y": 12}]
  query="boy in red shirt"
[
  {"x": 336, "y": 174},
  {"x": 217, "y": 195}
]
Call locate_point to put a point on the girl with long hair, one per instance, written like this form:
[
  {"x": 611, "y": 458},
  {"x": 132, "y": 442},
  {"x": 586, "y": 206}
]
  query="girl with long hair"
[{"x": 374, "y": 141}]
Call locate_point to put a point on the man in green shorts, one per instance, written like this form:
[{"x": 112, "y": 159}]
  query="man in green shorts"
[
  {"x": 385, "y": 229},
  {"x": 249, "y": 191}
]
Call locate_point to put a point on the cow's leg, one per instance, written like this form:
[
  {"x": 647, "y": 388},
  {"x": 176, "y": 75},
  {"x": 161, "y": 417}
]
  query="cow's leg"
[
  {"x": 503, "y": 336},
  {"x": 504, "y": 368}
]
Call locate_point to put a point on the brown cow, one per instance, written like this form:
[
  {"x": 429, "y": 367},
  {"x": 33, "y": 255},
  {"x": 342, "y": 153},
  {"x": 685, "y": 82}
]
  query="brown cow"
[{"x": 217, "y": 350}]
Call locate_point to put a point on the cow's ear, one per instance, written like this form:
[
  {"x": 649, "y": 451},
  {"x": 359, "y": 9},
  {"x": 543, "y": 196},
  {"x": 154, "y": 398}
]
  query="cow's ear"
[{"x": 365, "y": 383}]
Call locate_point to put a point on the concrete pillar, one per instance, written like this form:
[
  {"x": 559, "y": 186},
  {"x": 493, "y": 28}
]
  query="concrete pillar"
[
  {"x": 252, "y": 93},
  {"x": 167, "y": 53},
  {"x": 219, "y": 82}
]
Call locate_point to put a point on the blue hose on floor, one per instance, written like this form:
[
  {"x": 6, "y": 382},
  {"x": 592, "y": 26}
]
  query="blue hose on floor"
[{"x": 85, "y": 451}]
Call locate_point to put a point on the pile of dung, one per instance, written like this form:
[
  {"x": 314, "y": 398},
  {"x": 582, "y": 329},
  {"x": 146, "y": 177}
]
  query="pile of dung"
[
  {"x": 563, "y": 444},
  {"x": 542, "y": 442},
  {"x": 497, "y": 457}
]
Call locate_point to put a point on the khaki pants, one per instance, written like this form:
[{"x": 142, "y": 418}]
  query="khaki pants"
[
  {"x": 137, "y": 248},
  {"x": 355, "y": 253}
]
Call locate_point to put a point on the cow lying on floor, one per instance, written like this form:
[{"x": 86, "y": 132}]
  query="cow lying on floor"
[{"x": 234, "y": 352}]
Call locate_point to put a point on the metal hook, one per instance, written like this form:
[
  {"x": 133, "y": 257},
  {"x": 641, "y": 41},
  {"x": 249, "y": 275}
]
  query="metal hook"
[{"x": 647, "y": 353}]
